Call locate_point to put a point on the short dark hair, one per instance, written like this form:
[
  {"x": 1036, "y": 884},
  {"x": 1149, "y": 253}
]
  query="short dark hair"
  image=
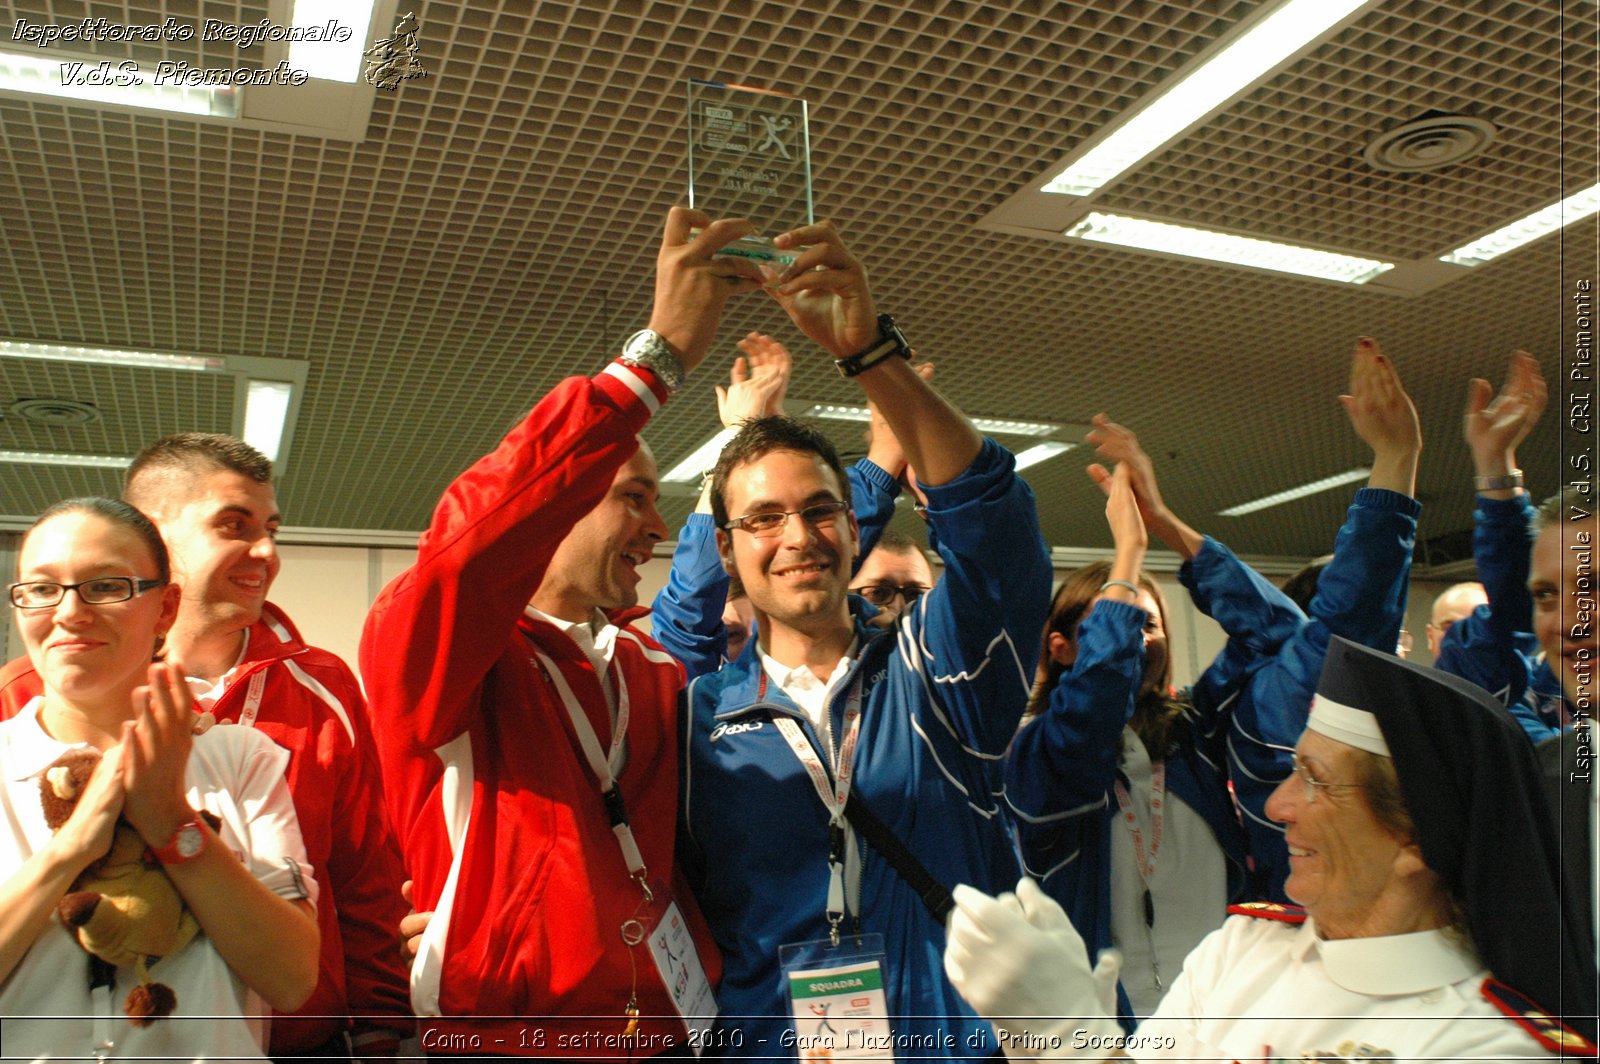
[
  {"x": 118, "y": 513},
  {"x": 189, "y": 454},
  {"x": 1565, "y": 505},
  {"x": 760, "y": 437},
  {"x": 893, "y": 541}
]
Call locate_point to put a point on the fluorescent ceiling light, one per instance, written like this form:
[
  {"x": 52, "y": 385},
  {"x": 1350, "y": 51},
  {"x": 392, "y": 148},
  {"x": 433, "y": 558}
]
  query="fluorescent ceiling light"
[
  {"x": 694, "y": 465},
  {"x": 129, "y": 87},
  {"x": 95, "y": 461},
  {"x": 107, "y": 356},
  {"x": 1575, "y": 207},
  {"x": 835, "y": 412},
  {"x": 1041, "y": 451},
  {"x": 331, "y": 60},
  {"x": 1296, "y": 493},
  {"x": 266, "y": 411},
  {"x": 994, "y": 425},
  {"x": 1183, "y": 103},
  {"x": 1225, "y": 247}
]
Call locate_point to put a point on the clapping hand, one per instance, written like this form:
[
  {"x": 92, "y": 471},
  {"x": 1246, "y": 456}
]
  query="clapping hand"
[
  {"x": 758, "y": 382},
  {"x": 155, "y": 754},
  {"x": 1383, "y": 415},
  {"x": 1495, "y": 426}
]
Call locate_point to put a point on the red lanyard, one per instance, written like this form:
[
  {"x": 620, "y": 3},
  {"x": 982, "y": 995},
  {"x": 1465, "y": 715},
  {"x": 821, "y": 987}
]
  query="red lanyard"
[{"x": 1158, "y": 791}]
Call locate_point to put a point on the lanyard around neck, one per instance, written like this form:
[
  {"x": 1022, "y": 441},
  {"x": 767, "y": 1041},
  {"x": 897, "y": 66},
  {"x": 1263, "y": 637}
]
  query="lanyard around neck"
[
  {"x": 1146, "y": 863},
  {"x": 605, "y": 764},
  {"x": 835, "y": 795}
]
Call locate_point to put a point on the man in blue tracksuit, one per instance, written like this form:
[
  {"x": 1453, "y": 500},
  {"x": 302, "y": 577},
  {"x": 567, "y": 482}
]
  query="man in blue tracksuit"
[
  {"x": 911, "y": 721},
  {"x": 686, "y": 617}
]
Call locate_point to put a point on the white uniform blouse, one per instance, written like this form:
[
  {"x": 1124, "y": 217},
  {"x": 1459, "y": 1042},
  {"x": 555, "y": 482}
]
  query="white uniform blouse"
[{"x": 1260, "y": 989}]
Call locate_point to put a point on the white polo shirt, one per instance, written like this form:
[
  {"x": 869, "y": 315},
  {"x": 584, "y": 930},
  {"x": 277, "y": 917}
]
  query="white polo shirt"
[{"x": 233, "y": 772}]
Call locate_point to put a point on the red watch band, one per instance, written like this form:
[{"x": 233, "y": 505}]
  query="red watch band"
[{"x": 187, "y": 843}]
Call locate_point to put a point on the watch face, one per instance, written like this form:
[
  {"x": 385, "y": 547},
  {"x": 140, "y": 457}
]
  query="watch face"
[
  {"x": 189, "y": 841},
  {"x": 645, "y": 348},
  {"x": 640, "y": 344}
]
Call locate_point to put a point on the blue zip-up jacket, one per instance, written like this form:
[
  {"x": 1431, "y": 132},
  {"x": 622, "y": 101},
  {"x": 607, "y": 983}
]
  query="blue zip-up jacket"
[
  {"x": 1245, "y": 712},
  {"x": 942, "y": 694},
  {"x": 686, "y": 618},
  {"x": 1062, "y": 765},
  {"x": 1361, "y": 596},
  {"x": 1494, "y": 646}
]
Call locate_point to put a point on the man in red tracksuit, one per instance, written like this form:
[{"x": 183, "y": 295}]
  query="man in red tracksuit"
[
  {"x": 211, "y": 496},
  {"x": 508, "y": 693}
]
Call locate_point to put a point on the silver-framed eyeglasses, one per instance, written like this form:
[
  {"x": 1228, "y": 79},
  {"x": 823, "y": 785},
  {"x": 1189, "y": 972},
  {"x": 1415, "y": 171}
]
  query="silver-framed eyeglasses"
[
  {"x": 771, "y": 522},
  {"x": 1313, "y": 785},
  {"x": 42, "y": 594}
]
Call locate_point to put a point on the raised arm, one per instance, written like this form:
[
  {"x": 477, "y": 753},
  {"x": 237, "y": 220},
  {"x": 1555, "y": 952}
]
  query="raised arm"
[
  {"x": 498, "y": 525},
  {"x": 1501, "y": 539},
  {"x": 825, "y": 293},
  {"x": 1492, "y": 646},
  {"x": 1062, "y": 762},
  {"x": 1253, "y": 612},
  {"x": 972, "y": 636},
  {"x": 1360, "y": 596}
]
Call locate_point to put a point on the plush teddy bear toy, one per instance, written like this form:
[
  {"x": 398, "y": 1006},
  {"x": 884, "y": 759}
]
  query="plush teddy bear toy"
[{"x": 123, "y": 908}]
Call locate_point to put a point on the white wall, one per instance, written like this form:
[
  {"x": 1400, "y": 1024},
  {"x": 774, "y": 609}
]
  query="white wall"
[{"x": 327, "y": 590}]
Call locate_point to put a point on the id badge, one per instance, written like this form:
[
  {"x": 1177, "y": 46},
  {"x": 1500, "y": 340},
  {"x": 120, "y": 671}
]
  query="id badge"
[
  {"x": 837, "y": 997},
  {"x": 672, "y": 948}
]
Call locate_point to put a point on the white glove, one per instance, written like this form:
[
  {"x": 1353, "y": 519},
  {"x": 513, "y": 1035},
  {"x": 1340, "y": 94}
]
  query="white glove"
[
  {"x": 1044, "y": 913},
  {"x": 1022, "y": 966}
]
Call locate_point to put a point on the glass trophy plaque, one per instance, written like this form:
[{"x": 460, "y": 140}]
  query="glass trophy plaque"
[{"x": 750, "y": 157}]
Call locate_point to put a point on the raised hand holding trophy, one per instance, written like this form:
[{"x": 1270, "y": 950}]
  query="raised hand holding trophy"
[{"x": 750, "y": 157}]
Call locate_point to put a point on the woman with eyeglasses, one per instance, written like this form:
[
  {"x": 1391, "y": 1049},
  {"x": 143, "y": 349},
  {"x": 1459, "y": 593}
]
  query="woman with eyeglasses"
[
  {"x": 92, "y": 601},
  {"x": 1433, "y": 925},
  {"x": 1143, "y": 812}
]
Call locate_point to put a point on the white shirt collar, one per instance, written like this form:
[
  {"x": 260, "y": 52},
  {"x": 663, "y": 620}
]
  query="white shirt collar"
[
  {"x": 1391, "y": 964},
  {"x": 29, "y": 748},
  {"x": 207, "y": 694},
  {"x": 597, "y": 633},
  {"x": 802, "y": 685},
  {"x": 597, "y": 638}
]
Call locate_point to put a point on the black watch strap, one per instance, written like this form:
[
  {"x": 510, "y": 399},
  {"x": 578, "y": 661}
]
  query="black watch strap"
[{"x": 891, "y": 341}]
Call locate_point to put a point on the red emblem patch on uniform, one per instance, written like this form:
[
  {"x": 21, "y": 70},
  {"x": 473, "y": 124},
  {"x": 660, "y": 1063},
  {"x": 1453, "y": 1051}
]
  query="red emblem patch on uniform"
[
  {"x": 1548, "y": 1030},
  {"x": 1269, "y": 910}
]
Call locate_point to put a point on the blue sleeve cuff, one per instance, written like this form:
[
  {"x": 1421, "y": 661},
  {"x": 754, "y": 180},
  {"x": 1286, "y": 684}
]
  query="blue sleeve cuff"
[
  {"x": 1211, "y": 553},
  {"x": 1517, "y": 510},
  {"x": 1382, "y": 499},
  {"x": 1115, "y": 614},
  {"x": 878, "y": 477}
]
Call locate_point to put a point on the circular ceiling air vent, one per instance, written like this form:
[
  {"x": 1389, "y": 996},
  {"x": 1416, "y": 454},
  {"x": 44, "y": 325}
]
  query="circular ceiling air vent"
[
  {"x": 1432, "y": 142},
  {"x": 56, "y": 411}
]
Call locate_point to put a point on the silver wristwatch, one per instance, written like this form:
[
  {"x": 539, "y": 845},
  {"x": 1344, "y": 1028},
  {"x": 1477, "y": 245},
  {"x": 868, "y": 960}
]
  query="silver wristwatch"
[{"x": 646, "y": 348}]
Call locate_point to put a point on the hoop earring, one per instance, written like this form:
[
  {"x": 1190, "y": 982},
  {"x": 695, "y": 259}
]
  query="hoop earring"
[{"x": 161, "y": 647}]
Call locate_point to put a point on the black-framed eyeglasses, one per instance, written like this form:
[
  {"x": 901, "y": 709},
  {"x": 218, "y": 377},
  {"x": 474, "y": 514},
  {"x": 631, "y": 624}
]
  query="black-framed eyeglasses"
[
  {"x": 1313, "y": 785},
  {"x": 883, "y": 594},
  {"x": 771, "y": 522},
  {"x": 42, "y": 594}
]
